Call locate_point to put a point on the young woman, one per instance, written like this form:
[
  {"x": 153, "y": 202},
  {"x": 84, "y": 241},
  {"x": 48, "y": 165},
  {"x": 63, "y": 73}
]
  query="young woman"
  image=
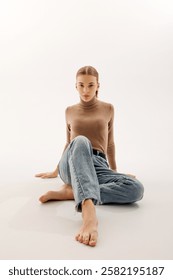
[{"x": 88, "y": 166}]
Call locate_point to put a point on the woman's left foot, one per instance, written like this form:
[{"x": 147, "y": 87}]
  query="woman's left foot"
[{"x": 65, "y": 193}]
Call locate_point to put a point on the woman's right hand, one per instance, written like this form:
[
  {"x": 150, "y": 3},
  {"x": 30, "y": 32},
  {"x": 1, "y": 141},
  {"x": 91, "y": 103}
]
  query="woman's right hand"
[{"x": 46, "y": 175}]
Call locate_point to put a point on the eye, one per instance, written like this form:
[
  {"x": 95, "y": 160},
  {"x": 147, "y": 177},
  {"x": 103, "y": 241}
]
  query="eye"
[{"x": 90, "y": 85}]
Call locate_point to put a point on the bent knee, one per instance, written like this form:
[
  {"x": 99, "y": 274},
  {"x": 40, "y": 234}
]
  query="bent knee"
[
  {"x": 80, "y": 140},
  {"x": 138, "y": 191}
]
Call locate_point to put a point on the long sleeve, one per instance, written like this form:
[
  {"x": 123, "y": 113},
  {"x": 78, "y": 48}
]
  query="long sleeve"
[
  {"x": 67, "y": 130},
  {"x": 111, "y": 144},
  {"x": 94, "y": 120}
]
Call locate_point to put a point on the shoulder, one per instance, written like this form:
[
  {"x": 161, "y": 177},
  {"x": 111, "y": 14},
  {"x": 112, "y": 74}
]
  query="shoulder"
[
  {"x": 108, "y": 106},
  {"x": 71, "y": 108}
]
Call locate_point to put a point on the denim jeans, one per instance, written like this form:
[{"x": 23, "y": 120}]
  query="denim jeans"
[{"x": 90, "y": 177}]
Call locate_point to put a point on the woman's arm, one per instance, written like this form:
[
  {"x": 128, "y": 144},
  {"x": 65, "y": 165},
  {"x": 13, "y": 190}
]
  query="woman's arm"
[
  {"x": 111, "y": 144},
  {"x": 45, "y": 175},
  {"x": 111, "y": 157},
  {"x": 54, "y": 174}
]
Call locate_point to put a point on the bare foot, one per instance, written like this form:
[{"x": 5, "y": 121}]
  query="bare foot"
[
  {"x": 88, "y": 233},
  {"x": 65, "y": 193}
]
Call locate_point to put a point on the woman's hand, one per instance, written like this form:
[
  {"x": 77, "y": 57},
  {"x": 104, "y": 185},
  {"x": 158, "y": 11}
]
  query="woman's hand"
[
  {"x": 130, "y": 175},
  {"x": 133, "y": 176},
  {"x": 46, "y": 175}
]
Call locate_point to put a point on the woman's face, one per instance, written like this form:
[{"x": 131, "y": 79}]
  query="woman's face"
[{"x": 87, "y": 86}]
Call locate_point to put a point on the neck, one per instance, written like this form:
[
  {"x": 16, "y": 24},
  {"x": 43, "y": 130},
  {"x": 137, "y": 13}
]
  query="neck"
[{"x": 90, "y": 103}]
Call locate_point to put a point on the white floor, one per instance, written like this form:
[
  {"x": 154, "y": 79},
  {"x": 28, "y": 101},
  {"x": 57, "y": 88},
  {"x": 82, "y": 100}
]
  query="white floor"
[{"x": 31, "y": 230}]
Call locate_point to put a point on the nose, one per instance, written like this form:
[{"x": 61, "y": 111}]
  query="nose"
[{"x": 85, "y": 89}]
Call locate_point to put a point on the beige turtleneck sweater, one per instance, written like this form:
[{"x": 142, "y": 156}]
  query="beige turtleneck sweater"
[{"x": 93, "y": 119}]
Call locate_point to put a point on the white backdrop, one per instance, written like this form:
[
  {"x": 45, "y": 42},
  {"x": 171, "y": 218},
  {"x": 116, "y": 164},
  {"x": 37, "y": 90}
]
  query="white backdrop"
[{"x": 42, "y": 45}]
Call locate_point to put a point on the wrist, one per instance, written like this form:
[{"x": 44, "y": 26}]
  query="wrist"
[
  {"x": 56, "y": 171},
  {"x": 115, "y": 170}
]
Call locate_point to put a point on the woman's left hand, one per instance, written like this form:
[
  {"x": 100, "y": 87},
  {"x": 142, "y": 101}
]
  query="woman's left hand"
[
  {"x": 130, "y": 175},
  {"x": 133, "y": 176}
]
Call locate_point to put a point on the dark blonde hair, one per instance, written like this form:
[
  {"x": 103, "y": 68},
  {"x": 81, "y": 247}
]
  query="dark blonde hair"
[{"x": 88, "y": 70}]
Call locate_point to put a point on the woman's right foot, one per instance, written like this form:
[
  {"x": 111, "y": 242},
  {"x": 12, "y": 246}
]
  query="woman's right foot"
[
  {"x": 65, "y": 193},
  {"x": 88, "y": 233}
]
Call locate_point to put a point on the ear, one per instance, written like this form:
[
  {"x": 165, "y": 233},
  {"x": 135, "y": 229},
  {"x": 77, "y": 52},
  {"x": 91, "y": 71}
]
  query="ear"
[{"x": 98, "y": 85}]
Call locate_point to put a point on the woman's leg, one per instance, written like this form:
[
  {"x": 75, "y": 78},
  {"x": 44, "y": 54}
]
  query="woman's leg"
[
  {"x": 77, "y": 169},
  {"x": 76, "y": 163},
  {"x": 116, "y": 187},
  {"x": 88, "y": 232},
  {"x": 122, "y": 191}
]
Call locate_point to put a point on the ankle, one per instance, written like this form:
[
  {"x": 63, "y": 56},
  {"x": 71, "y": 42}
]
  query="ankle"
[
  {"x": 87, "y": 203},
  {"x": 88, "y": 209}
]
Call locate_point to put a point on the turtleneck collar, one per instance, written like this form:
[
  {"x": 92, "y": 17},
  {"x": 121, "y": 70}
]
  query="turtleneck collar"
[{"x": 90, "y": 104}]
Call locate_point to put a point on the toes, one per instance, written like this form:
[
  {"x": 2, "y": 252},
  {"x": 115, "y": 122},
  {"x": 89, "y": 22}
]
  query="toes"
[
  {"x": 93, "y": 239},
  {"x": 86, "y": 238},
  {"x": 78, "y": 237},
  {"x": 83, "y": 238},
  {"x": 46, "y": 197},
  {"x": 42, "y": 198},
  {"x": 92, "y": 243}
]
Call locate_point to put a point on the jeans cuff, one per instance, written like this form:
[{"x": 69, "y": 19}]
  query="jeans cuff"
[{"x": 78, "y": 206}]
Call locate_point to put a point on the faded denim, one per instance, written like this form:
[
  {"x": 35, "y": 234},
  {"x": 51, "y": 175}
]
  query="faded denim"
[{"x": 90, "y": 177}]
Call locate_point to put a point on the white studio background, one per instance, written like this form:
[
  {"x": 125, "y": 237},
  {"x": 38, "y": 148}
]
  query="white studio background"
[{"x": 43, "y": 44}]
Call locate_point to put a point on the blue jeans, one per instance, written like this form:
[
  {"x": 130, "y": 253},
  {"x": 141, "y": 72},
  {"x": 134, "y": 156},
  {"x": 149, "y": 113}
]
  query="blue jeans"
[{"x": 90, "y": 177}]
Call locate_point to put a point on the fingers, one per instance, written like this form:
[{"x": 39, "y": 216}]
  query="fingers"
[
  {"x": 38, "y": 175},
  {"x": 42, "y": 175},
  {"x": 133, "y": 176},
  {"x": 45, "y": 176}
]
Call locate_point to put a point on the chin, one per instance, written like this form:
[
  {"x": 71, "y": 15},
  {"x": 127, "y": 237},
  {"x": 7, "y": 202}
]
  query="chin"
[{"x": 88, "y": 99}]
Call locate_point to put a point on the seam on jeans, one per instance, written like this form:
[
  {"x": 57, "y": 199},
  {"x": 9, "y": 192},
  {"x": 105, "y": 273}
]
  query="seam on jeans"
[
  {"x": 77, "y": 179},
  {"x": 62, "y": 176}
]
